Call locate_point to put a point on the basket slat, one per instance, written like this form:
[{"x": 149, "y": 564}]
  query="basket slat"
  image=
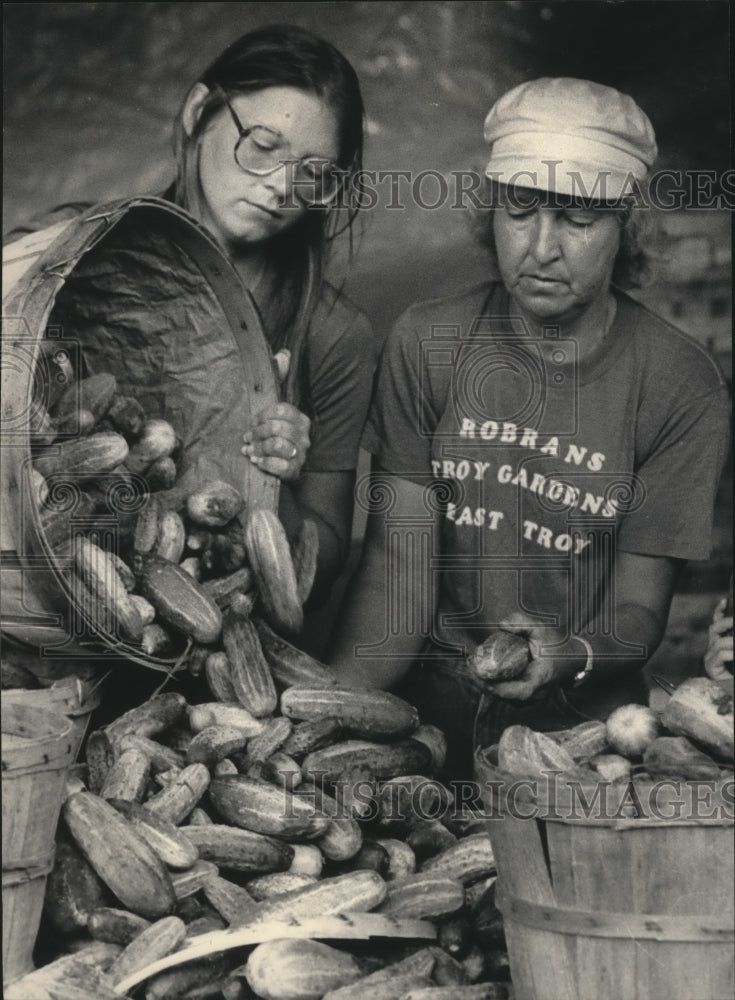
[
  {"x": 34, "y": 772},
  {"x": 71, "y": 697}
]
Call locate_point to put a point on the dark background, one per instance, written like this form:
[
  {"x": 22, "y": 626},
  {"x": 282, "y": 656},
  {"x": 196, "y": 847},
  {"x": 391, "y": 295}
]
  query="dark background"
[{"x": 91, "y": 89}]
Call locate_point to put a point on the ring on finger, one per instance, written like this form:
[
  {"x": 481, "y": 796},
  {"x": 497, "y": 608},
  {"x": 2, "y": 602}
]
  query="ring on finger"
[{"x": 294, "y": 451}]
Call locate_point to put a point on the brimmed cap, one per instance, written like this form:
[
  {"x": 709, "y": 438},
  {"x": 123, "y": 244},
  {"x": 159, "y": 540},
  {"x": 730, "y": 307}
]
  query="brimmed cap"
[{"x": 572, "y": 137}]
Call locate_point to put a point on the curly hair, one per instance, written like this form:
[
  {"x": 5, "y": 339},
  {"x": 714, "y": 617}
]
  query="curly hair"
[{"x": 638, "y": 257}]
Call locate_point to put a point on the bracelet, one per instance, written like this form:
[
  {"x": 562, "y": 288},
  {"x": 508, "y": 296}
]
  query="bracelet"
[{"x": 582, "y": 675}]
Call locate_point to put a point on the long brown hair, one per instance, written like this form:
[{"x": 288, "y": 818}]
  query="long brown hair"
[{"x": 286, "y": 56}]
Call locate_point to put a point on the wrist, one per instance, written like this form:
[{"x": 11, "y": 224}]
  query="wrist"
[
  {"x": 583, "y": 674},
  {"x": 573, "y": 659}
]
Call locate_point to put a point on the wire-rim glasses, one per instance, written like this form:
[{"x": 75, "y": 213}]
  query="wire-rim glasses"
[{"x": 259, "y": 149}]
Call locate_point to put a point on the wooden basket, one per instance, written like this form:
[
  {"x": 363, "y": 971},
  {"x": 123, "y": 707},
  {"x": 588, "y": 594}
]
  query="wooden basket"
[
  {"x": 71, "y": 288},
  {"x": 597, "y": 903},
  {"x": 37, "y": 751},
  {"x": 73, "y": 697}
]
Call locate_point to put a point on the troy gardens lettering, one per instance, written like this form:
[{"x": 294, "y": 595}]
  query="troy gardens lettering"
[{"x": 561, "y": 495}]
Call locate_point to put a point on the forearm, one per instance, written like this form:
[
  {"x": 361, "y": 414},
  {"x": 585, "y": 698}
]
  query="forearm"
[
  {"x": 635, "y": 636},
  {"x": 362, "y": 624},
  {"x": 331, "y": 556},
  {"x": 333, "y": 521},
  {"x": 389, "y": 606},
  {"x": 627, "y": 637}
]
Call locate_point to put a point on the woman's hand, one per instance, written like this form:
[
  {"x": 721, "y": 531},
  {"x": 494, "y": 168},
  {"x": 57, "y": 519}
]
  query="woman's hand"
[
  {"x": 719, "y": 649},
  {"x": 544, "y": 669},
  {"x": 279, "y": 438}
]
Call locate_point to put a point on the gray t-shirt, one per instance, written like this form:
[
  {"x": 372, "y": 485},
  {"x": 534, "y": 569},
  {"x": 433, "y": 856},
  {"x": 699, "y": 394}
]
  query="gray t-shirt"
[
  {"x": 541, "y": 467},
  {"x": 341, "y": 360}
]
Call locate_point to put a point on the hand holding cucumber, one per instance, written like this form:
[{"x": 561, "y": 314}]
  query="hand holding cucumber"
[{"x": 541, "y": 669}]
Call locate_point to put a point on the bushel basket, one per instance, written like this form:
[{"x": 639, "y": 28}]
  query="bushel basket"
[
  {"x": 617, "y": 891},
  {"x": 37, "y": 752},
  {"x": 137, "y": 289}
]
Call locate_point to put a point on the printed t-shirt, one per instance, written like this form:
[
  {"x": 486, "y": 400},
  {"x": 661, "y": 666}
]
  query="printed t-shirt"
[{"x": 543, "y": 467}]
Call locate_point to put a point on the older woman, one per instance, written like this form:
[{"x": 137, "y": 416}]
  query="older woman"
[{"x": 546, "y": 451}]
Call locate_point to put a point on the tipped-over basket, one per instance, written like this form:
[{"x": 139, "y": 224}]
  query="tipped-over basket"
[{"x": 136, "y": 289}]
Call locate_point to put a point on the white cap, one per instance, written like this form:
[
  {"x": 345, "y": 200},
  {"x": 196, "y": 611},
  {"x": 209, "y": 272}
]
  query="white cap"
[{"x": 571, "y": 137}]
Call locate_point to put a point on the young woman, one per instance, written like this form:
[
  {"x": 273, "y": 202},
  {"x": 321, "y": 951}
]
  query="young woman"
[
  {"x": 268, "y": 141},
  {"x": 268, "y": 146}
]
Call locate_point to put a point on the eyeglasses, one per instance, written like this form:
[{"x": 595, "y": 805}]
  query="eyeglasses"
[{"x": 260, "y": 150}]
